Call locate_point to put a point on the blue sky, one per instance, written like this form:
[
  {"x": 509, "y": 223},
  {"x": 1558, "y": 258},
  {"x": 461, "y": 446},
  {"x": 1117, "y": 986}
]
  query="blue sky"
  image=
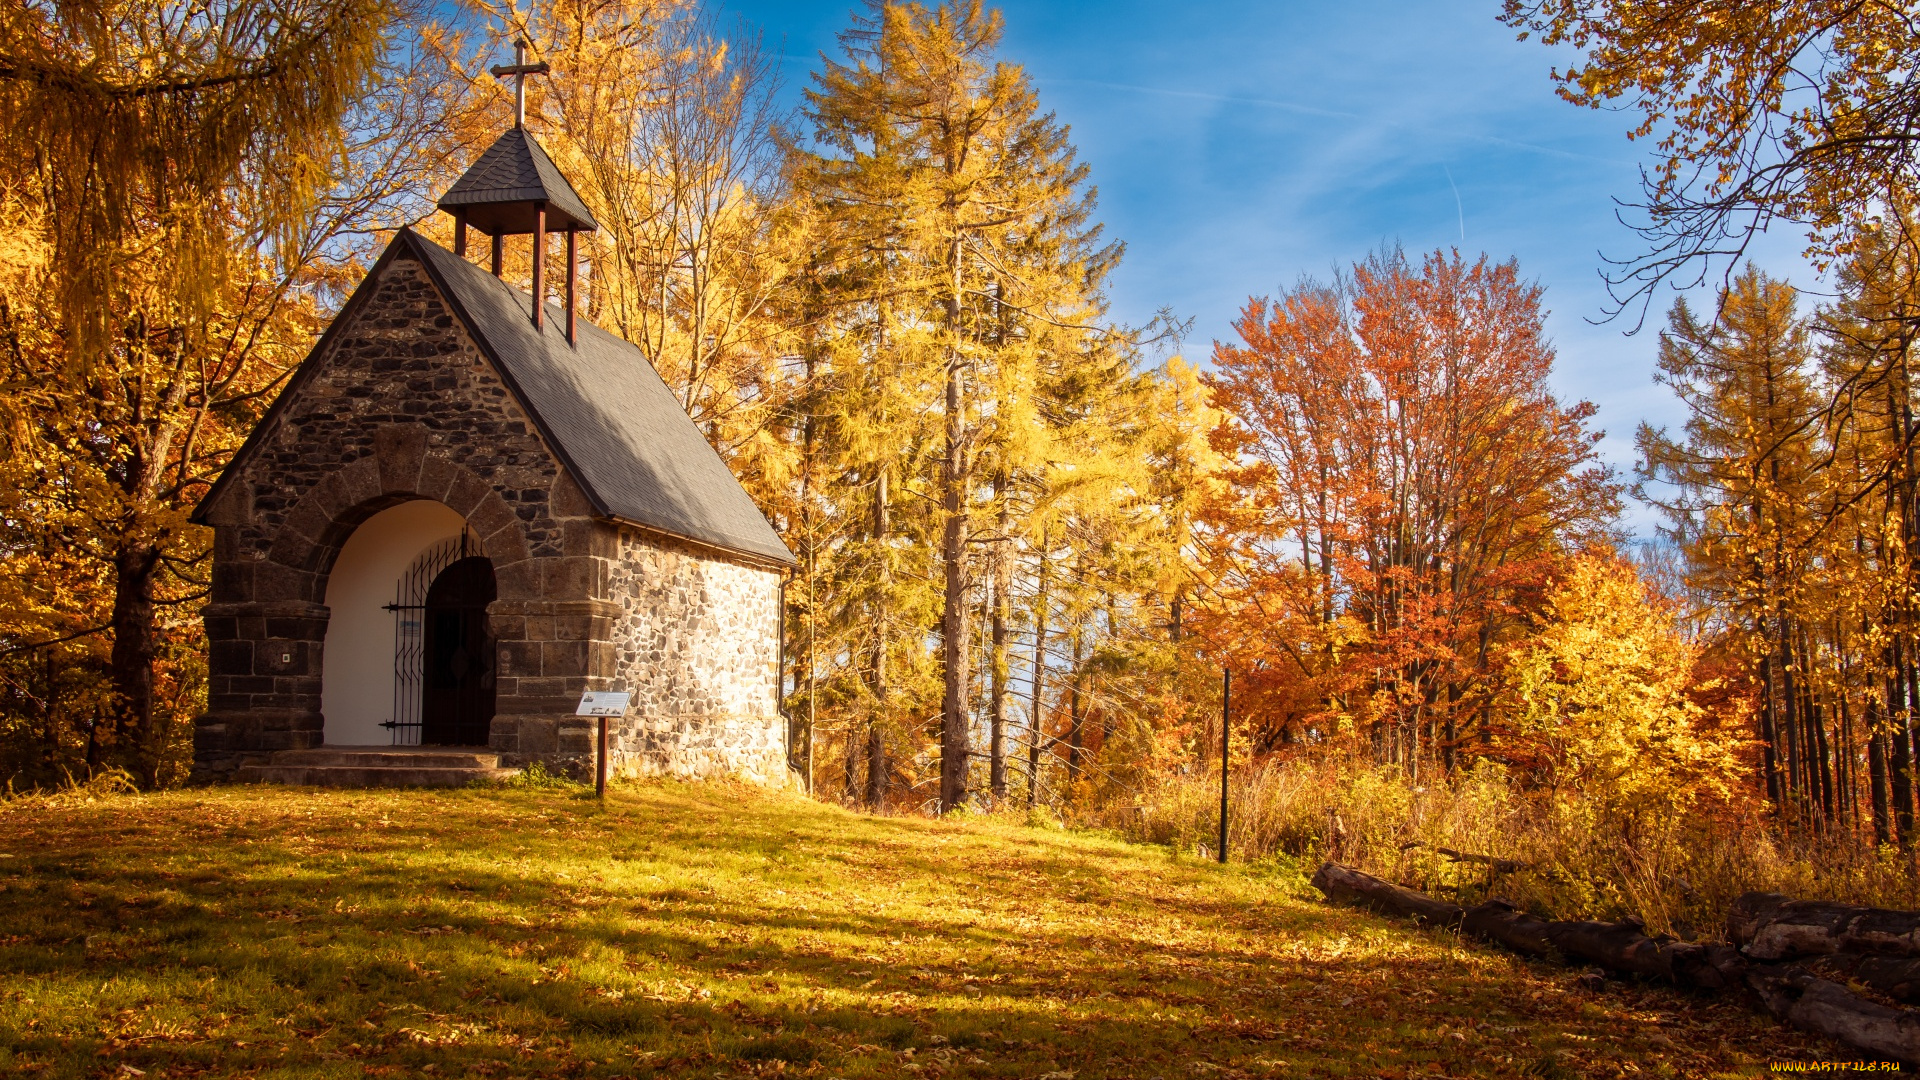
[{"x": 1238, "y": 146}]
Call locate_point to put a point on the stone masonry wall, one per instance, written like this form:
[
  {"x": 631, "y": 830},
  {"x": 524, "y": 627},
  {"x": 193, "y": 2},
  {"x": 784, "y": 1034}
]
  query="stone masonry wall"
[
  {"x": 697, "y": 644},
  {"x": 405, "y": 406}
]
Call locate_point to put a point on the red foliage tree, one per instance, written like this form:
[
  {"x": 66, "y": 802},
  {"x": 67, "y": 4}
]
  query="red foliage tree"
[{"x": 1406, "y": 482}]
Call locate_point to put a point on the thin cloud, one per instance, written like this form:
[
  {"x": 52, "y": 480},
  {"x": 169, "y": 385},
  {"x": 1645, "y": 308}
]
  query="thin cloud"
[
  {"x": 1201, "y": 95},
  {"x": 1458, "y": 207},
  {"x": 1334, "y": 114}
]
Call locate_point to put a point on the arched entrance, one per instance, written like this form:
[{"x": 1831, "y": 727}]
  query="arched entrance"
[
  {"x": 359, "y": 696},
  {"x": 457, "y": 696}
]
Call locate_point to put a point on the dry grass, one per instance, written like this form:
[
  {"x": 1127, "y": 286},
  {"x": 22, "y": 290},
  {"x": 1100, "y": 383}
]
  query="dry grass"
[
  {"x": 1680, "y": 875},
  {"x": 707, "y": 930}
]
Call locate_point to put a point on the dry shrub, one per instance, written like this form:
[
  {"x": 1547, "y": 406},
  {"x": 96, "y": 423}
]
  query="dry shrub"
[{"x": 1584, "y": 857}]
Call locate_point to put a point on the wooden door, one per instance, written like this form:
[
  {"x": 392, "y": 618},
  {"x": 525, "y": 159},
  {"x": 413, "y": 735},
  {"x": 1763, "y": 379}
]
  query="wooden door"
[{"x": 457, "y": 695}]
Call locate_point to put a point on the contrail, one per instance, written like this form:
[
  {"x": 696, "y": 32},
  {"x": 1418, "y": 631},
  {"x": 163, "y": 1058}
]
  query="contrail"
[{"x": 1457, "y": 208}]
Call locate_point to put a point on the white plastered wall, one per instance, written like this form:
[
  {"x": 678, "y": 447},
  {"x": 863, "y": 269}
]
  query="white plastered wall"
[{"x": 356, "y": 676}]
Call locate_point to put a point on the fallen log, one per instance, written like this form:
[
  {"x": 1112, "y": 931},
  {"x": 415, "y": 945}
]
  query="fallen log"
[
  {"x": 1502, "y": 923},
  {"x": 1898, "y": 977},
  {"x": 1365, "y": 890},
  {"x": 1619, "y": 947},
  {"x": 1622, "y": 948},
  {"x": 1710, "y": 968},
  {"x": 1798, "y": 997},
  {"x": 1768, "y": 926},
  {"x": 1790, "y": 993}
]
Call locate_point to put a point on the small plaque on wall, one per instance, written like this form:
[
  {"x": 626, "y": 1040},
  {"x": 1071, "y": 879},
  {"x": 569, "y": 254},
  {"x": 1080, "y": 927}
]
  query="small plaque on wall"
[{"x": 602, "y": 703}]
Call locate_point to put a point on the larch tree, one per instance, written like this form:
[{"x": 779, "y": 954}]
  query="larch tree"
[
  {"x": 1739, "y": 488},
  {"x": 977, "y": 217},
  {"x": 176, "y": 169}
]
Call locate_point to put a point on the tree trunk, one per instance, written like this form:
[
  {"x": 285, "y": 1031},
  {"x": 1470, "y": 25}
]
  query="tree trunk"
[
  {"x": 876, "y": 769},
  {"x": 1034, "y": 725},
  {"x": 1898, "y": 977},
  {"x": 999, "y": 663},
  {"x": 955, "y": 736},
  {"x": 850, "y": 787},
  {"x": 1344, "y": 885},
  {"x": 1769, "y": 734},
  {"x": 1902, "y": 739},
  {"x": 1622, "y": 947},
  {"x": 1826, "y": 1008},
  {"x": 1789, "y": 716},
  {"x": 131, "y": 661},
  {"x": 1075, "y": 735},
  {"x": 1877, "y": 773},
  {"x": 1792, "y": 994},
  {"x": 1818, "y": 717},
  {"x": 876, "y": 732},
  {"x": 1905, "y": 729}
]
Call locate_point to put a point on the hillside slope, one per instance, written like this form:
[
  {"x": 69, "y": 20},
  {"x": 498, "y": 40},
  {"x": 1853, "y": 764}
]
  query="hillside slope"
[{"x": 708, "y": 930}]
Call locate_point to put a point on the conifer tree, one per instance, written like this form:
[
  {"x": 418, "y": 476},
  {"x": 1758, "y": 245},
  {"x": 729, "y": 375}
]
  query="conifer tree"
[
  {"x": 1740, "y": 487},
  {"x": 989, "y": 266}
]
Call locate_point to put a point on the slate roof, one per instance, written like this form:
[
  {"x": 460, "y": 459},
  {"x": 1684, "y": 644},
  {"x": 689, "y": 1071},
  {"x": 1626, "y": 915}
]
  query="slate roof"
[
  {"x": 598, "y": 403},
  {"x": 515, "y": 170}
]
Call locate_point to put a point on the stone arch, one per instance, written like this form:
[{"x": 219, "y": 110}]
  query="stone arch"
[
  {"x": 402, "y": 468},
  {"x": 267, "y": 623}
]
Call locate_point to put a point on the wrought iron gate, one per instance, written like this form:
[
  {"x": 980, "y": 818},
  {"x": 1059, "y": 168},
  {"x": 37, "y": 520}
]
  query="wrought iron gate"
[{"x": 409, "y": 648}]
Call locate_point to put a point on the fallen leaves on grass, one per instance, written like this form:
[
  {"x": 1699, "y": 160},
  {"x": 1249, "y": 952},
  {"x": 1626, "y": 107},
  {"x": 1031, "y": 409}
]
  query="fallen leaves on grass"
[{"x": 719, "y": 931}]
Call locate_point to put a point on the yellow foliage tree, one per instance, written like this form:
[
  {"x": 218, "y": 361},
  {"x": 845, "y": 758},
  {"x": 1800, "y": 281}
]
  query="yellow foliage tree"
[{"x": 1600, "y": 699}]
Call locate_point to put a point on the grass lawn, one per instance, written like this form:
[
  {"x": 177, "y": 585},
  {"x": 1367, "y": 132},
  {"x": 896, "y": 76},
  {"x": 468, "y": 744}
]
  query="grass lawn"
[{"x": 711, "y": 930}]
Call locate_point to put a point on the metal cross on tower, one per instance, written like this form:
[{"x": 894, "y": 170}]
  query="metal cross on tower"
[{"x": 519, "y": 69}]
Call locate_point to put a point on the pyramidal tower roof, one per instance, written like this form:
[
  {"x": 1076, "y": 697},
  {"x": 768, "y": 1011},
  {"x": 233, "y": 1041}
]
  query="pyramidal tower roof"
[{"x": 499, "y": 194}]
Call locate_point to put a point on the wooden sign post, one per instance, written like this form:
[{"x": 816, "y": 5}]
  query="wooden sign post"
[{"x": 602, "y": 704}]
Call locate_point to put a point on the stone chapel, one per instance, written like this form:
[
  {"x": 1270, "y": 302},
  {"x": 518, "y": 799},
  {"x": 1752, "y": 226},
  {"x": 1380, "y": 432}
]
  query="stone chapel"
[{"x": 469, "y": 506}]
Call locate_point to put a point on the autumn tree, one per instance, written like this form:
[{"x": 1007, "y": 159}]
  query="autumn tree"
[
  {"x": 1738, "y": 489},
  {"x": 1797, "y": 113},
  {"x": 1406, "y": 480},
  {"x": 1800, "y": 112},
  {"x": 980, "y": 282},
  {"x": 173, "y": 171},
  {"x": 1600, "y": 699},
  {"x": 1790, "y": 496}
]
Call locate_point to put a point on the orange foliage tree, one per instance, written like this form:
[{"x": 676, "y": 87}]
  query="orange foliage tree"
[{"x": 1405, "y": 485}]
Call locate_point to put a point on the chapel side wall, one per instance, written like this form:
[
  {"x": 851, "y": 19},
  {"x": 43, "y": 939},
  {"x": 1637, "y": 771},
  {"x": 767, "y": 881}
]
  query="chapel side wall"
[{"x": 697, "y": 644}]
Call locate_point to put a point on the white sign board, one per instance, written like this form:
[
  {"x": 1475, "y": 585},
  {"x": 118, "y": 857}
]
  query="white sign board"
[{"x": 602, "y": 703}]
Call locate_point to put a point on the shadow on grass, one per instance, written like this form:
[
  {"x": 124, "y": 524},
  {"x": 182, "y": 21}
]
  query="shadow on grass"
[{"x": 690, "y": 931}]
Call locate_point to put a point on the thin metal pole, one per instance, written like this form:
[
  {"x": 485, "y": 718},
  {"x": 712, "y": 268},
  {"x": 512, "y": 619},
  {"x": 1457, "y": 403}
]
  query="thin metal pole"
[
  {"x": 600, "y": 764},
  {"x": 1226, "y": 731}
]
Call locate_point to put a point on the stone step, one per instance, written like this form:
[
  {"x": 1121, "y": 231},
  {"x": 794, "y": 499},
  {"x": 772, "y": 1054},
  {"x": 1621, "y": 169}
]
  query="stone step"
[
  {"x": 396, "y": 757},
  {"x": 371, "y": 776}
]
